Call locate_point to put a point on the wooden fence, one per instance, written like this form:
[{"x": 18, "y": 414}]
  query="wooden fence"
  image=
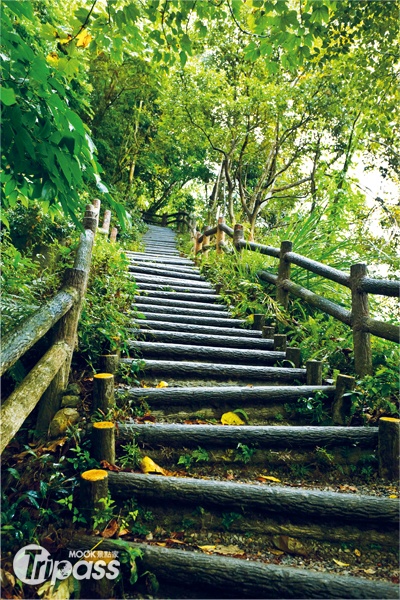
[
  {"x": 357, "y": 281},
  {"x": 184, "y": 221},
  {"x": 49, "y": 377}
]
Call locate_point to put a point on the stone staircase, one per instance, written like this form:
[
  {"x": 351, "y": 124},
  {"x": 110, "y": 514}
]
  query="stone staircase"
[{"x": 240, "y": 517}]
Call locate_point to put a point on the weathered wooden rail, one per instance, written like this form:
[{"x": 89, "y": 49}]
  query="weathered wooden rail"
[
  {"x": 357, "y": 281},
  {"x": 182, "y": 219},
  {"x": 49, "y": 377}
]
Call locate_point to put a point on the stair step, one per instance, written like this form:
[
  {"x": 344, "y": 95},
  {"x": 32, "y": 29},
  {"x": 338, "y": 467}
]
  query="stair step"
[
  {"x": 182, "y": 289},
  {"x": 187, "y": 352},
  {"x": 166, "y": 302},
  {"x": 206, "y": 298},
  {"x": 241, "y": 395},
  {"x": 226, "y": 577},
  {"x": 141, "y": 257},
  {"x": 172, "y": 282},
  {"x": 165, "y": 272},
  {"x": 272, "y": 500},
  {"x": 193, "y": 319},
  {"x": 180, "y": 326},
  {"x": 199, "y": 339},
  {"x": 179, "y": 310},
  {"x": 184, "y": 369},
  {"x": 275, "y": 436},
  {"x": 166, "y": 267}
]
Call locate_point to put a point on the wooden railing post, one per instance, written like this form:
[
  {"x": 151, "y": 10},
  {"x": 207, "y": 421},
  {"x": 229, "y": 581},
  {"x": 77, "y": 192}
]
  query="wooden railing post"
[
  {"x": 164, "y": 220},
  {"x": 113, "y": 235},
  {"x": 106, "y": 221},
  {"x": 359, "y": 316},
  {"x": 197, "y": 245},
  {"x": 314, "y": 372},
  {"x": 283, "y": 273},
  {"x": 388, "y": 447},
  {"x": 220, "y": 239},
  {"x": 206, "y": 244},
  {"x": 66, "y": 330},
  {"x": 238, "y": 236},
  {"x": 258, "y": 322}
]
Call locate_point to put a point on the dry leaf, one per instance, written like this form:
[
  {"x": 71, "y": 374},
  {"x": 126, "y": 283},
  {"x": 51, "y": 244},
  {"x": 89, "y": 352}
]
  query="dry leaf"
[
  {"x": 231, "y": 418},
  {"x": 111, "y": 529},
  {"x": 163, "y": 544},
  {"x": 64, "y": 589},
  {"x": 269, "y": 477},
  {"x": 207, "y": 548},
  {"x": 54, "y": 445},
  {"x": 393, "y": 496},
  {"x": 230, "y": 550},
  {"x": 357, "y": 552},
  {"x": 276, "y": 552},
  {"x": 106, "y": 465},
  {"x": 369, "y": 571},
  {"x": 289, "y": 545},
  {"x": 148, "y": 465},
  {"x": 174, "y": 541},
  {"x": 123, "y": 532},
  {"x": 339, "y": 563},
  {"x": 162, "y": 384}
]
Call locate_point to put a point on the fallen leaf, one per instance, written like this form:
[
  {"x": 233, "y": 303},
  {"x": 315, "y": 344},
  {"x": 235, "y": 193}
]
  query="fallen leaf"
[
  {"x": 393, "y": 496},
  {"x": 64, "y": 589},
  {"x": 163, "y": 544},
  {"x": 106, "y": 465},
  {"x": 369, "y": 571},
  {"x": 207, "y": 548},
  {"x": 6, "y": 578},
  {"x": 231, "y": 418},
  {"x": 54, "y": 445},
  {"x": 162, "y": 384},
  {"x": 230, "y": 550},
  {"x": 173, "y": 541},
  {"x": 111, "y": 529},
  {"x": 123, "y": 532},
  {"x": 148, "y": 465},
  {"x": 340, "y": 563},
  {"x": 289, "y": 545},
  {"x": 357, "y": 552},
  {"x": 269, "y": 477},
  {"x": 276, "y": 552}
]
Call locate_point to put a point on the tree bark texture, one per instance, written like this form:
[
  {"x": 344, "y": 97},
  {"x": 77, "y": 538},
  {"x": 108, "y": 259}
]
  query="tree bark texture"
[
  {"x": 165, "y": 267},
  {"x": 195, "y": 369},
  {"x": 308, "y": 503},
  {"x": 21, "y": 339},
  {"x": 240, "y": 394},
  {"x": 386, "y": 331},
  {"x": 103, "y": 392},
  {"x": 92, "y": 491},
  {"x": 172, "y": 281},
  {"x": 260, "y": 248},
  {"x": 207, "y": 353},
  {"x": 359, "y": 315},
  {"x": 342, "y": 403},
  {"x": 166, "y": 302},
  {"x": 210, "y": 298},
  {"x": 193, "y": 328},
  {"x": 166, "y": 273},
  {"x": 275, "y": 436},
  {"x": 213, "y": 311},
  {"x": 161, "y": 260},
  {"x": 103, "y": 441},
  {"x": 23, "y": 400},
  {"x": 388, "y": 448},
  {"x": 314, "y": 372},
  {"x": 235, "y": 578},
  {"x": 385, "y": 287},
  {"x": 318, "y": 268},
  {"x": 282, "y": 295},
  {"x": 148, "y": 285},
  {"x": 199, "y": 339},
  {"x": 194, "y": 319}
]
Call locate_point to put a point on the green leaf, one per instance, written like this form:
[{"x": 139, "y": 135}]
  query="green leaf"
[
  {"x": 7, "y": 96},
  {"x": 49, "y": 191},
  {"x": 183, "y": 58}
]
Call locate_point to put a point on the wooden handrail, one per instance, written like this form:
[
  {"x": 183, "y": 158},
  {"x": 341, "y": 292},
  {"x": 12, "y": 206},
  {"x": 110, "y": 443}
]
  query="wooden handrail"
[
  {"x": 49, "y": 377},
  {"x": 360, "y": 285}
]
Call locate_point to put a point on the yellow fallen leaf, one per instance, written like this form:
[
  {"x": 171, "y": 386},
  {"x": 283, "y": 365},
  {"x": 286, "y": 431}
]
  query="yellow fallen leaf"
[
  {"x": 231, "y": 418},
  {"x": 340, "y": 564},
  {"x": 149, "y": 466},
  {"x": 369, "y": 571},
  {"x": 276, "y": 552},
  {"x": 229, "y": 550},
  {"x": 207, "y": 548},
  {"x": 393, "y": 496},
  {"x": 162, "y": 384},
  {"x": 269, "y": 477},
  {"x": 357, "y": 552}
]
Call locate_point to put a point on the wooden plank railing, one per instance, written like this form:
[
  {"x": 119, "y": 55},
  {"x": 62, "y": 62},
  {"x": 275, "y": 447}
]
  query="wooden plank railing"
[
  {"x": 357, "y": 281},
  {"x": 47, "y": 380},
  {"x": 184, "y": 221}
]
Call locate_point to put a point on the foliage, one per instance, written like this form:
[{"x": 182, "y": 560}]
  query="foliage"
[
  {"x": 199, "y": 455},
  {"x": 243, "y": 453},
  {"x": 103, "y": 325},
  {"x": 312, "y": 409},
  {"x": 132, "y": 456}
]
